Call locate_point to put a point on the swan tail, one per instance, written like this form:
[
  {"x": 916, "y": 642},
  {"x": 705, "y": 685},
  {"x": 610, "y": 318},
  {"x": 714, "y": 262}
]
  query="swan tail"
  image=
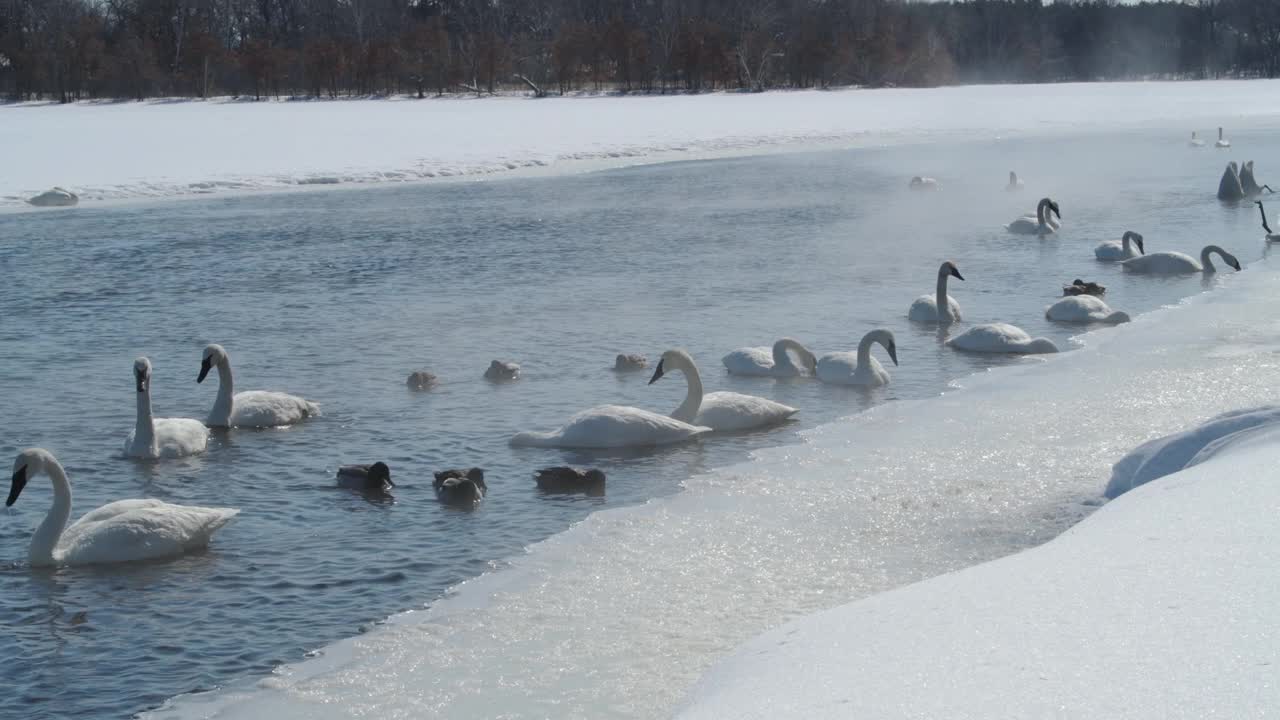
[
  {"x": 214, "y": 519},
  {"x": 531, "y": 438}
]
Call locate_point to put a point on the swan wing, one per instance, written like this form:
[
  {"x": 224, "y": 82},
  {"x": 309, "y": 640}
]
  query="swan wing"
[
  {"x": 611, "y": 426},
  {"x": 1024, "y": 226},
  {"x": 842, "y": 368},
  {"x": 1000, "y": 338},
  {"x": 259, "y": 408},
  {"x": 179, "y": 437},
  {"x": 1110, "y": 251},
  {"x": 734, "y": 411},
  {"x": 749, "y": 361},
  {"x": 924, "y": 309},
  {"x": 1163, "y": 263},
  {"x": 129, "y": 530},
  {"x": 1078, "y": 308}
]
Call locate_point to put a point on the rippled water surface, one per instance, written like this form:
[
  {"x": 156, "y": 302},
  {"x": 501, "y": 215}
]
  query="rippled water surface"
[{"x": 339, "y": 295}]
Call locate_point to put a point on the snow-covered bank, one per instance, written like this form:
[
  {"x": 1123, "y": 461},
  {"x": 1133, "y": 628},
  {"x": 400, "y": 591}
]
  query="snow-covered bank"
[
  {"x": 174, "y": 149},
  {"x": 1160, "y": 605}
]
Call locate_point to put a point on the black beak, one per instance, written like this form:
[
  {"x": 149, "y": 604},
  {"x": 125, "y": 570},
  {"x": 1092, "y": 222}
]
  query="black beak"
[
  {"x": 893, "y": 353},
  {"x": 204, "y": 370},
  {"x": 15, "y": 489},
  {"x": 1140, "y": 248},
  {"x": 956, "y": 274},
  {"x": 657, "y": 373},
  {"x": 1235, "y": 264},
  {"x": 1054, "y": 208}
]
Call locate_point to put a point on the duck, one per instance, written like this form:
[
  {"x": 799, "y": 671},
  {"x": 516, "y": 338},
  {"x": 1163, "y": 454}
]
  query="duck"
[
  {"x": 1080, "y": 287},
  {"x": 924, "y": 183},
  {"x": 628, "y": 362},
  {"x": 1015, "y": 183},
  {"x": 720, "y": 411},
  {"x": 122, "y": 531},
  {"x": 56, "y": 197},
  {"x": 1222, "y": 141},
  {"x": 565, "y": 479},
  {"x": 253, "y": 408},
  {"x": 1084, "y": 309},
  {"x": 1176, "y": 263},
  {"x": 1250, "y": 184},
  {"x": 925, "y": 307},
  {"x": 365, "y": 477},
  {"x": 1271, "y": 237},
  {"x": 421, "y": 380},
  {"x": 1195, "y": 141},
  {"x": 767, "y": 362},
  {"x": 502, "y": 371},
  {"x": 460, "y": 486},
  {"x": 847, "y": 368},
  {"x": 153, "y": 438},
  {"x": 1229, "y": 187},
  {"x": 1041, "y": 224},
  {"x": 1001, "y": 338},
  {"x": 1113, "y": 251}
]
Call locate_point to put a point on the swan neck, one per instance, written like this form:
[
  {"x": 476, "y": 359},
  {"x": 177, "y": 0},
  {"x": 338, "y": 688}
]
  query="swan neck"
[
  {"x": 221, "y": 415},
  {"x": 944, "y": 307},
  {"x": 46, "y": 536},
  {"x": 144, "y": 429},
  {"x": 864, "y": 350},
  {"x": 1206, "y": 257},
  {"x": 782, "y": 358},
  {"x": 688, "y": 409}
]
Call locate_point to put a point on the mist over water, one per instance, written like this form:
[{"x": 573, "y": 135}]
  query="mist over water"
[{"x": 339, "y": 295}]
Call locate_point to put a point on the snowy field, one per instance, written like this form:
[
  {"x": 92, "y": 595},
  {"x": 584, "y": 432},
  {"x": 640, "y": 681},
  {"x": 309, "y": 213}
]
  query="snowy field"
[{"x": 123, "y": 150}]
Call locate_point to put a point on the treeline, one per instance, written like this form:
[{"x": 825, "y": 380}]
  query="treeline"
[{"x": 75, "y": 49}]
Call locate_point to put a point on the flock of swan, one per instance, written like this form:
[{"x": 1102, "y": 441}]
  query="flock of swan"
[{"x": 130, "y": 530}]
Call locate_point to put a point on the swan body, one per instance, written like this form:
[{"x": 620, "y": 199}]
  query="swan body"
[
  {"x": 1230, "y": 187},
  {"x": 630, "y": 361},
  {"x": 1222, "y": 141},
  {"x": 57, "y": 197},
  {"x": 721, "y": 411},
  {"x": 1043, "y": 222},
  {"x": 924, "y": 183},
  {"x": 502, "y": 371},
  {"x": 1271, "y": 237},
  {"x": 1015, "y": 183},
  {"x": 1195, "y": 141},
  {"x": 421, "y": 380},
  {"x": 1176, "y": 263},
  {"x": 847, "y": 368},
  {"x": 460, "y": 487},
  {"x": 122, "y": 531},
  {"x": 925, "y": 307},
  {"x": 1249, "y": 183},
  {"x": 1084, "y": 309},
  {"x": 152, "y": 437},
  {"x": 366, "y": 477},
  {"x": 770, "y": 362},
  {"x": 1000, "y": 338},
  {"x": 1113, "y": 251},
  {"x": 254, "y": 408},
  {"x": 564, "y": 479},
  {"x": 613, "y": 426}
]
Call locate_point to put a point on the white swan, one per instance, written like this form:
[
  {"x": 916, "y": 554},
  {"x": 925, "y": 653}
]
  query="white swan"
[
  {"x": 57, "y": 197},
  {"x": 1084, "y": 309},
  {"x": 612, "y": 426},
  {"x": 1000, "y": 338},
  {"x": 1222, "y": 141},
  {"x": 161, "y": 437},
  {"x": 925, "y": 307},
  {"x": 1271, "y": 237},
  {"x": 121, "y": 531},
  {"x": 1112, "y": 250},
  {"x": 766, "y": 362},
  {"x": 723, "y": 411},
  {"x": 1195, "y": 141},
  {"x": 1015, "y": 183},
  {"x": 1043, "y": 222},
  {"x": 1230, "y": 187},
  {"x": 254, "y": 408},
  {"x": 846, "y": 368},
  {"x": 1249, "y": 184},
  {"x": 924, "y": 183},
  {"x": 1176, "y": 263}
]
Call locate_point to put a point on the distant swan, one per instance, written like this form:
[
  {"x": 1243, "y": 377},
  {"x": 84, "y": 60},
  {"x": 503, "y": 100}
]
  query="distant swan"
[
  {"x": 626, "y": 362},
  {"x": 366, "y": 477},
  {"x": 1271, "y": 237},
  {"x": 122, "y": 531},
  {"x": 1195, "y": 141},
  {"x": 1084, "y": 309},
  {"x": 924, "y": 183},
  {"x": 925, "y": 308},
  {"x": 1229, "y": 187},
  {"x": 723, "y": 411},
  {"x": 57, "y": 197},
  {"x": 1176, "y": 263},
  {"x": 254, "y": 408},
  {"x": 846, "y": 368},
  {"x": 1250, "y": 184},
  {"x": 1117, "y": 251},
  {"x": 160, "y": 437},
  {"x": 1000, "y": 338},
  {"x": 775, "y": 362},
  {"x": 1014, "y": 182},
  {"x": 1041, "y": 224},
  {"x": 1222, "y": 141}
]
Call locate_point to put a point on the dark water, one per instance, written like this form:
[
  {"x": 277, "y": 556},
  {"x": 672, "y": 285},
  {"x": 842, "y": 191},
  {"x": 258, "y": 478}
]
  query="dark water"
[{"x": 337, "y": 296}]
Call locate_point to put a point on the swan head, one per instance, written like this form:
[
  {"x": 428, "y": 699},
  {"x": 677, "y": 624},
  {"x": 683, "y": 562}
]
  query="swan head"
[
  {"x": 1136, "y": 239},
  {"x": 1053, "y": 207},
  {"x": 949, "y": 268},
  {"x": 142, "y": 373},
  {"x": 672, "y": 360},
  {"x": 214, "y": 356},
  {"x": 29, "y": 463}
]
